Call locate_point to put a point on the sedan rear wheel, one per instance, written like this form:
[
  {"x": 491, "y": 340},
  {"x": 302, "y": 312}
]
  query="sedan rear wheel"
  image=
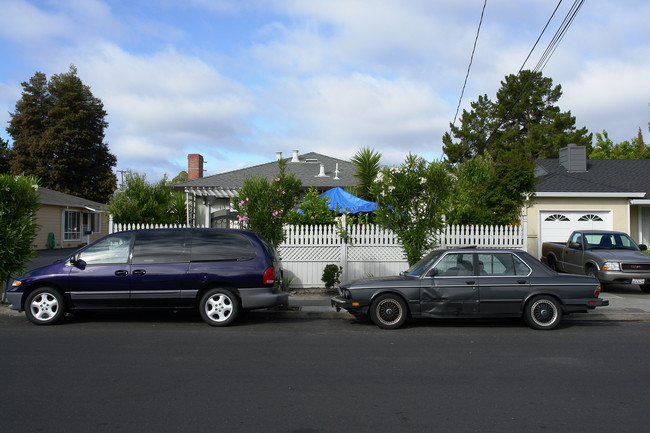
[
  {"x": 388, "y": 311},
  {"x": 543, "y": 312},
  {"x": 45, "y": 306},
  {"x": 219, "y": 307}
]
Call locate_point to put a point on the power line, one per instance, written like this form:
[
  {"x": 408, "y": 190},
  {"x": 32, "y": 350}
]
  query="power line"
[{"x": 471, "y": 59}]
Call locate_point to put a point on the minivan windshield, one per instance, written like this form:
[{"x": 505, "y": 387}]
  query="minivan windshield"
[{"x": 424, "y": 264}]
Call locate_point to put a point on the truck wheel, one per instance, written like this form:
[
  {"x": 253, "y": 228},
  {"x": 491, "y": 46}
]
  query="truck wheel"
[
  {"x": 552, "y": 264},
  {"x": 645, "y": 288},
  {"x": 543, "y": 312},
  {"x": 591, "y": 272}
]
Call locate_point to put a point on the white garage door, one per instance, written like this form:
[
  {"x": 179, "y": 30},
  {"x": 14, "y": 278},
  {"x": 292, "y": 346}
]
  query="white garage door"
[{"x": 557, "y": 226}]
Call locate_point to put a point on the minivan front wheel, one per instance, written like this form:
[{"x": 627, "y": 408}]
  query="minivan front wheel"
[
  {"x": 219, "y": 307},
  {"x": 45, "y": 306}
]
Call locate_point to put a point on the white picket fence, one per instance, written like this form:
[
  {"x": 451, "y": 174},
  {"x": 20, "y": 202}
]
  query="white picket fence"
[{"x": 365, "y": 250}]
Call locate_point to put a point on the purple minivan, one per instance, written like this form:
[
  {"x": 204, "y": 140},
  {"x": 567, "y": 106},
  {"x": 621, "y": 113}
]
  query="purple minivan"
[{"x": 219, "y": 271}]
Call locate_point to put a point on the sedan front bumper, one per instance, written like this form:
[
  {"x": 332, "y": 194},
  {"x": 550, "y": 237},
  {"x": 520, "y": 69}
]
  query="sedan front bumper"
[{"x": 351, "y": 305}]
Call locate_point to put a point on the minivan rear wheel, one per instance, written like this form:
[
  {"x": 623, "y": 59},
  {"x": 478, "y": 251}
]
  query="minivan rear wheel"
[{"x": 219, "y": 307}]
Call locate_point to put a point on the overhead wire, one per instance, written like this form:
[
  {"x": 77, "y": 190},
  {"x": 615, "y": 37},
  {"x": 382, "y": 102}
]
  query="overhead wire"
[{"x": 471, "y": 59}]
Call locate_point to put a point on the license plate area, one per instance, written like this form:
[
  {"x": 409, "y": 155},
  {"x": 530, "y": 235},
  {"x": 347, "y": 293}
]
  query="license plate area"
[{"x": 638, "y": 281}]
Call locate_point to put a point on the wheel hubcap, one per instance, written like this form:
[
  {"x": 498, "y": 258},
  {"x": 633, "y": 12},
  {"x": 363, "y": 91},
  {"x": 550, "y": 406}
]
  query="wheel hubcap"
[
  {"x": 389, "y": 311},
  {"x": 219, "y": 307},
  {"x": 44, "y": 307},
  {"x": 544, "y": 313}
]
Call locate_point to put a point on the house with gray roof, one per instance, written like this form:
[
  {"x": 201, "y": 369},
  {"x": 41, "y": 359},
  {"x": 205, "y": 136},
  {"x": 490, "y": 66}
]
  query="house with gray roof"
[
  {"x": 67, "y": 221},
  {"x": 574, "y": 193},
  {"x": 209, "y": 198}
]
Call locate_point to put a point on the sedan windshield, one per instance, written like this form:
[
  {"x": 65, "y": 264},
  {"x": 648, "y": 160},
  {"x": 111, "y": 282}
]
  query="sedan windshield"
[{"x": 418, "y": 269}]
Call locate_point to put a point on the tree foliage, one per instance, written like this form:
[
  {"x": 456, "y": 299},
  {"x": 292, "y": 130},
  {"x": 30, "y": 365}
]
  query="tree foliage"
[
  {"x": 18, "y": 205},
  {"x": 366, "y": 162},
  {"x": 58, "y": 135},
  {"x": 4, "y": 156},
  {"x": 480, "y": 195},
  {"x": 141, "y": 202},
  {"x": 312, "y": 209},
  {"x": 263, "y": 205},
  {"x": 606, "y": 148},
  {"x": 524, "y": 118},
  {"x": 412, "y": 201}
]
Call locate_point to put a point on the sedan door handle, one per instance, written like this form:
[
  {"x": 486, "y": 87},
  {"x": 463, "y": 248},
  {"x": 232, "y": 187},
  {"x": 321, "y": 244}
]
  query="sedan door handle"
[
  {"x": 522, "y": 281},
  {"x": 470, "y": 282},
  {"x": 139, "y": 272},
  {"x": 121, "y": 273}
]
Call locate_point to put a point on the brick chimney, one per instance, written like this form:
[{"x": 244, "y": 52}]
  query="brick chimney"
[{"x": 194, "y": 166}]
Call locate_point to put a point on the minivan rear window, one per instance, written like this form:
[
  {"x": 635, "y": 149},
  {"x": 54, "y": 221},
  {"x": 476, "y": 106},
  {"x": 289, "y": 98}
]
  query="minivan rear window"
[{"x": 219, "y": 246}]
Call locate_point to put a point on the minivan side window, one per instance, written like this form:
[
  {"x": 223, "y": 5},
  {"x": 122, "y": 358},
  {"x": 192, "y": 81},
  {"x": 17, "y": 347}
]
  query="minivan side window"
[
  {"x": 113, "y": 250},
  {"x": 161, "y": 246},
  {"x": 219, "y": 246}
]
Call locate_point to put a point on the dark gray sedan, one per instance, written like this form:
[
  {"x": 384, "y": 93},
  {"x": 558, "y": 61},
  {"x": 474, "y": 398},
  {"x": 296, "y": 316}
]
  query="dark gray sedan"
[{"x": 479, "y": 283}]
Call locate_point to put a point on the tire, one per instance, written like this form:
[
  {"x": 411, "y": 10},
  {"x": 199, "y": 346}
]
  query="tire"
[
  {"x": 45, "y": 306},
  {"x": 388, "y": 311},
  {"x": 219, "y": 307},
  {"x": 591, "y": 272},
  {"x": 543, "y": 312},
  {"x": 645, "y": 288},
  {"x": 552, "y": 264}
]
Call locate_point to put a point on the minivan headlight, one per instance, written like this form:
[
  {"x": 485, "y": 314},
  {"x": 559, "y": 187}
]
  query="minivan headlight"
[{"x": 611, "y": 266}]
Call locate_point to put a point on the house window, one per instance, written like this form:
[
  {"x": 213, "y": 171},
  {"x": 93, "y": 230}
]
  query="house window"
[
  {"x": 556, "y": 217},
  {"x": 590, "y": 217},
  {"x": 71, "y": 225},
  {"x": 95, "y": 223}
]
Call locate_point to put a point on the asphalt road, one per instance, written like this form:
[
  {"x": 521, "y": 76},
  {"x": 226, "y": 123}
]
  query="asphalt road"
[{"x": 172, "y": 373}]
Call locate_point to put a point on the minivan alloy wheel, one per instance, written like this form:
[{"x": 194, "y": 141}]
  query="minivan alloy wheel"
[
  {"x": 45, "y": 306},
  {"x": 219, "y": 307}
]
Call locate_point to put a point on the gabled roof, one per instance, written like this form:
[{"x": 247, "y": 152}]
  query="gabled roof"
[
  {"x": 605, "y": 177},
  {"x": 56, "y": 198},
  {"x": 307, "y": 170}
]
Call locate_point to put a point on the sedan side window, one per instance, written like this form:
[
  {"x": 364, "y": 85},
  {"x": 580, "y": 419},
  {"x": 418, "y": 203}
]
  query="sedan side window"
[
  {"x": 502, "y": 264},
  {"x": 455, "y": 264},
  {"x": 113, "y": 250}
]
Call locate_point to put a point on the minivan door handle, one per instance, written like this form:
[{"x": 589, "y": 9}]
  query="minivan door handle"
[
  {"x": 139, "y": 272},
  {"x": 121, "y": 273}
]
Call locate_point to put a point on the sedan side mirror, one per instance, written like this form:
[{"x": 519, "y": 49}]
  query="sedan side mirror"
[{"x": 643, "y": 247}]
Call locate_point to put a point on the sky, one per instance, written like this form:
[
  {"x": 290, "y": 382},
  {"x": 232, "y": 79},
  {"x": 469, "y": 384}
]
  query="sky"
[{"x": 239, "y": 80}]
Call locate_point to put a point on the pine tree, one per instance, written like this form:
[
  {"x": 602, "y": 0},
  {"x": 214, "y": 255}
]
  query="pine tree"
[{"x": 58, "y": 135}]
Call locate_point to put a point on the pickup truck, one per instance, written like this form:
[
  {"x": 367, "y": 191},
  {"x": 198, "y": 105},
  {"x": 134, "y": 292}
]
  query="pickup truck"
[{"x": 612, "y": 257}]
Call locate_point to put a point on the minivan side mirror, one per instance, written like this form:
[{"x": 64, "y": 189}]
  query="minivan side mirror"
[{"x": 81, "y": 264}]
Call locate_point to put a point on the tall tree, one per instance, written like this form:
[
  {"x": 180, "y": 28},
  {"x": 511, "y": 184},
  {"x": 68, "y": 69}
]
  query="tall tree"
[
  {"x": 58, "y": 135},
  {"x": 606, "y": 148},
  {"x": 524, "y": 118}
]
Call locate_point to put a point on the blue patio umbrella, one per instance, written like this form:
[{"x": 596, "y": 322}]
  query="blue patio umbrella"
[{"x": 345, "y": 202}]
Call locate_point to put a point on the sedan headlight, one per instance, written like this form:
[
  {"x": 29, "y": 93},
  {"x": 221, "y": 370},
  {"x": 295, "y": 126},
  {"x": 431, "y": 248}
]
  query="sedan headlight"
[
  {"x": 16, "y": 283},
  {"x": 611, "y": 266},
  {"x": 344, "y": 293}
]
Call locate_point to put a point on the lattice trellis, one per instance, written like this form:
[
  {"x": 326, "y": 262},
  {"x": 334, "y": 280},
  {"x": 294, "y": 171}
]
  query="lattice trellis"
[
  {"x": 311, "y": 253},
  {"x": 370, "y": 253}
]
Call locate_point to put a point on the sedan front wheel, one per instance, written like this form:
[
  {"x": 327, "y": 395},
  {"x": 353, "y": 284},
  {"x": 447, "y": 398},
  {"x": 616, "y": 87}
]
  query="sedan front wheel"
[{"x": 388, "y": 311}]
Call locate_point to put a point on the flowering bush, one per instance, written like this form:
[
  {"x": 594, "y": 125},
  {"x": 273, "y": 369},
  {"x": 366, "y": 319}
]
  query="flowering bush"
[
  {"x": 263, "y": 205},
  {"x": 412, "y": 201}
]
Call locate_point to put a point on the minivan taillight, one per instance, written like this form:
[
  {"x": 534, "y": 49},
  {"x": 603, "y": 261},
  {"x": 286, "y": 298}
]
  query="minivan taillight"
[{"x": 269, "y": 276}]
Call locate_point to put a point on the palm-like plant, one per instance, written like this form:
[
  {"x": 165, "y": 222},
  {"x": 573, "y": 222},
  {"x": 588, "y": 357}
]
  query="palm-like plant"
[{"x": 366, "y": 162}]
